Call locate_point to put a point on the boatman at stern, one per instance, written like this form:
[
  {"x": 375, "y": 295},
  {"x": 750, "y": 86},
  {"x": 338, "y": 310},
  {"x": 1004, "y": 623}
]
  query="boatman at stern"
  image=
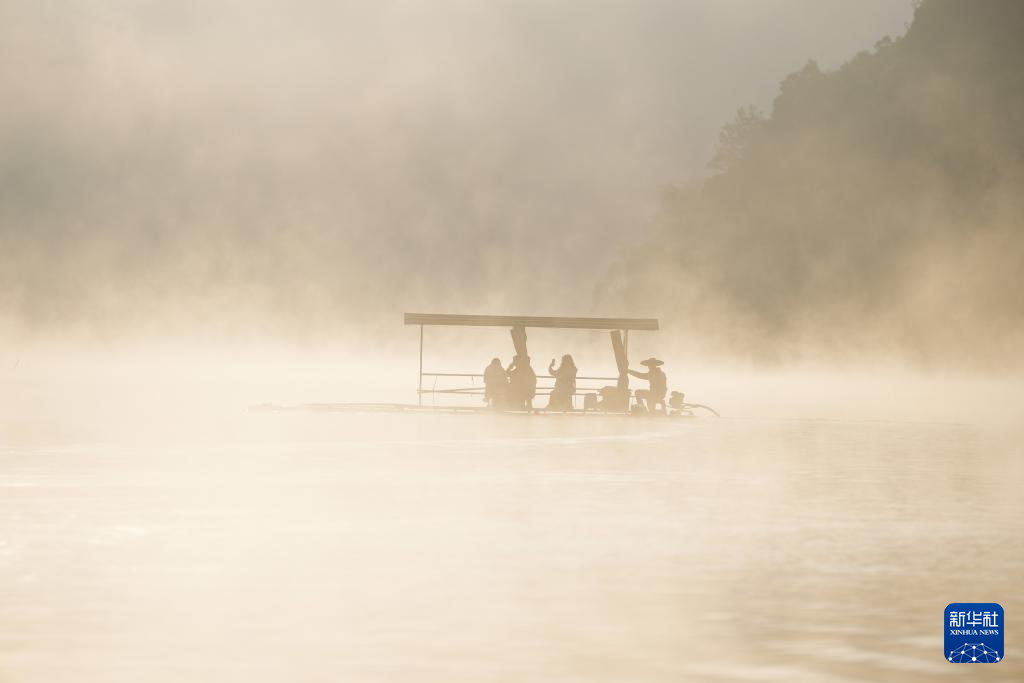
[{"x": 654, "y": 395}]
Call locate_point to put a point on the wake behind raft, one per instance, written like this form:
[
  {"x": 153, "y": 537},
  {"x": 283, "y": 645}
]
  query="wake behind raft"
[{"x": 518, "y": 386}]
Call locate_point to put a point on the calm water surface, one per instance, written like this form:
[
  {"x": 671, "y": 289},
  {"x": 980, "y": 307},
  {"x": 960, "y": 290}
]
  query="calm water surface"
[{"x": 487, "y": 548}]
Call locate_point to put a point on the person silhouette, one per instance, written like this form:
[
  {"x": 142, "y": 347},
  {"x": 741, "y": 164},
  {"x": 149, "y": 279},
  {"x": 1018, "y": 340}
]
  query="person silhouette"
[
  {"x": 657, "y": 383},
  {"x": 565, "y": 384},
  {"x": 522, "y": 385},
  {"x": 495, "y": 384}
]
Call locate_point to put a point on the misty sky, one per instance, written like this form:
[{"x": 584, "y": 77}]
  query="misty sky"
[{"x": 440, "y": 155}]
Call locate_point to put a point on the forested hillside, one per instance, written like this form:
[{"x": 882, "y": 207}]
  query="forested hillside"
[{"x": 876, "y": 208}]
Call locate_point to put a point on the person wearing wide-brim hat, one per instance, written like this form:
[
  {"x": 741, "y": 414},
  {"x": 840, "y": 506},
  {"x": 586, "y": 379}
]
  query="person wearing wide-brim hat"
[{"x": 654, "y": 395}]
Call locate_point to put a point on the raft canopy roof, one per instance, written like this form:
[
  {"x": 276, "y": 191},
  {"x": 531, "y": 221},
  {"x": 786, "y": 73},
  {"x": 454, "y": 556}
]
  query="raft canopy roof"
[{"x": 647, "y": 324}]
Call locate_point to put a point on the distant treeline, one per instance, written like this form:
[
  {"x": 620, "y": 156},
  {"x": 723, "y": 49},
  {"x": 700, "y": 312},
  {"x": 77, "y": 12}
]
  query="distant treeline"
[{"x": 876, "y": 207}]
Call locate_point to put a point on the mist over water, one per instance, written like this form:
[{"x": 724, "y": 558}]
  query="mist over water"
[
  {"x": 442, "y": 547},
  {"x": 181, "y": 391},
  {"x": 209, "y": 208},
  {"x": 256, "y": 168}
]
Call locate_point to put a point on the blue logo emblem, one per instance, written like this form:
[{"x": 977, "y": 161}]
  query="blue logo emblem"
[{"x": 974, "y": 633}]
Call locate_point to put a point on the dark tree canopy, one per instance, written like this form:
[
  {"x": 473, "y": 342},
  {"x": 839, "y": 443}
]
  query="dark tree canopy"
[{"x": 877, "y": 207}]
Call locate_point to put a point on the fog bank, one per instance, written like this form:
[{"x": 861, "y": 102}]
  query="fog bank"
[{"x": 262, "y": 168}]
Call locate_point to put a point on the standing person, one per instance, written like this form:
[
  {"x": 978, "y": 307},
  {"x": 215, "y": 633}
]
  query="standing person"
[
  {"x": 565, "y": 384},
  {"x": 657, "y": 384},
  {"x": 495, "y": 384},
  {"x": 522, "y": 383}
]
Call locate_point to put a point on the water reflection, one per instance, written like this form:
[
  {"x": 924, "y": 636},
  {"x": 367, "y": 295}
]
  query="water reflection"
[{"x": 452, "y": 548}]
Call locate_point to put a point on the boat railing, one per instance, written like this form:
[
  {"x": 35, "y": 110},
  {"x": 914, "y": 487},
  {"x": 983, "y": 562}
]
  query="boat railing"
[{"x": 590, "y": 384}]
